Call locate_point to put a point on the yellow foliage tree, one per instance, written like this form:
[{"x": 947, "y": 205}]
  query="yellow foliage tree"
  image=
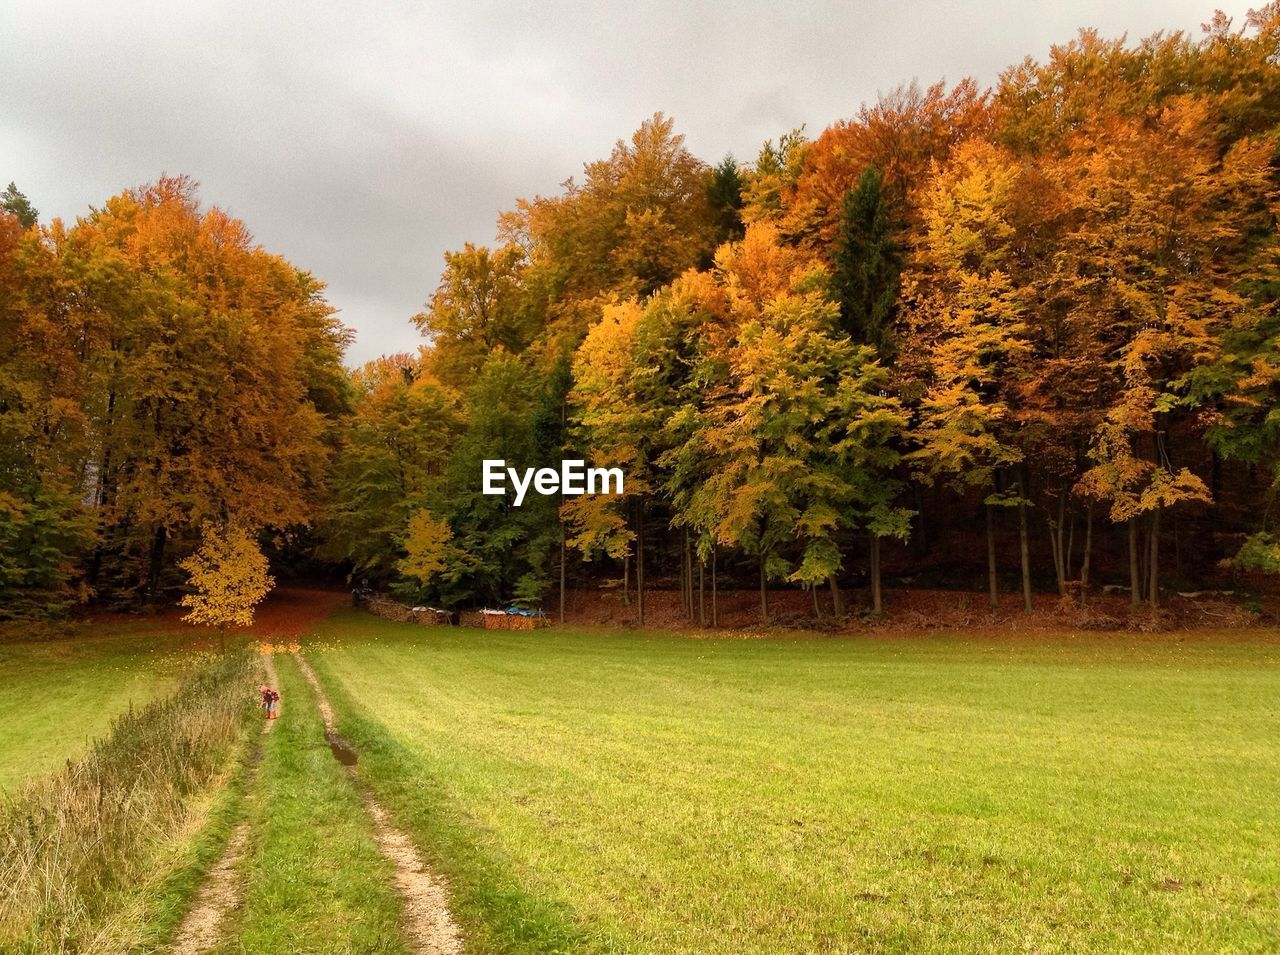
[
  {"x": 228, "y": 575},
  {"x": 427, "y": 547}
]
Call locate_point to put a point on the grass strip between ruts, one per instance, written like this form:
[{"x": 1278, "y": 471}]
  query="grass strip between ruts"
[{"x": 314, "y": 880}]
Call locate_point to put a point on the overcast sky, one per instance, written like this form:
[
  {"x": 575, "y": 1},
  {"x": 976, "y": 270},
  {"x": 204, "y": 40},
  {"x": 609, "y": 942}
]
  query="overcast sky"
[{"x": 362, "y": 140}]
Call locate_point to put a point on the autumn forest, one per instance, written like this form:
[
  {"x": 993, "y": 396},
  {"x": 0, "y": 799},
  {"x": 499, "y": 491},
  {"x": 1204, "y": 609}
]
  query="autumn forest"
[{"x": 1018, "y": 340}]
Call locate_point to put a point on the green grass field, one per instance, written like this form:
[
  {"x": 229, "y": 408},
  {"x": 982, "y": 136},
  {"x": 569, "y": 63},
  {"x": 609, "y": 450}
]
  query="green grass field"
[
  {"x": 600, "y": 792},
  {"x": 57, "y": 695}
]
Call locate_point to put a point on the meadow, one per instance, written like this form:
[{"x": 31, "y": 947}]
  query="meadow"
[
  {"x": 591, "y": 791},
  {"x": 57, "y": 695},
  {"x": 597, "y": 791}
]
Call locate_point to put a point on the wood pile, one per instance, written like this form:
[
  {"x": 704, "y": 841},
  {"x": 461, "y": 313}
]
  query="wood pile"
[
  {"x": 432, "y": 617},
  {"x": 390, "y": 609},
  {"x": 497, "y": 620},
  {"x": 511, "y": 621}
]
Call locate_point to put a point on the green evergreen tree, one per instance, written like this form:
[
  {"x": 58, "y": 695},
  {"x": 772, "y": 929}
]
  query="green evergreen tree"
[
  {"x": 868, "y": 262},
  {"x": 724, "y": 195},
  {"x": 16, "y": 204}
]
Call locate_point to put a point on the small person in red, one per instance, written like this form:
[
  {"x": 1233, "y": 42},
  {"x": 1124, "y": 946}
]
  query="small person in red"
[{"x": 269, "y": 699}]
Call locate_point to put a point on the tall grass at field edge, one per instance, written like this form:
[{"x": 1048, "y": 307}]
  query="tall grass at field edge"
[{"x": 75, "y": 845}]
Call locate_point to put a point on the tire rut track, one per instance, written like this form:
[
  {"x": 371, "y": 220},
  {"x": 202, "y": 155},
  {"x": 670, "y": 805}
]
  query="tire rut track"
[
  {"x": 222, "y": 890},
  {"x": 430, "y": 926}
]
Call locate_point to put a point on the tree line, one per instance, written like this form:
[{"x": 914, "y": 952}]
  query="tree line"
[
  {"x": 161, "y": 373},
  {"x": 1025, "y": 334}
]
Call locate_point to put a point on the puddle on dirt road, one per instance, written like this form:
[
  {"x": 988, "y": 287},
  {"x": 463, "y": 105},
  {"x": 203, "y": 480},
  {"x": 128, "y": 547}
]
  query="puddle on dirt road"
[{"x": 341, "y": 751}]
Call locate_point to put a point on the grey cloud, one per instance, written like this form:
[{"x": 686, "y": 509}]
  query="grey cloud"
[{"x": 362, "y": 141}]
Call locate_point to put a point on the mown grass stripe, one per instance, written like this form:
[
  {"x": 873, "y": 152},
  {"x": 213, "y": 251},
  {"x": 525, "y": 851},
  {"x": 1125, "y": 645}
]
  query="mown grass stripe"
[
  {"x": 1087, "y": 792},
  {"x": 496, "y": 912}
]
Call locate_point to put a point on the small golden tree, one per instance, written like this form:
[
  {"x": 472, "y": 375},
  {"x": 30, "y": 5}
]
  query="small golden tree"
[
  {"x": 427, "y": 546},
  {"x": 229, "y": 577}
]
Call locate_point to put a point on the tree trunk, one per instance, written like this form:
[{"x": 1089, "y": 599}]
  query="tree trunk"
[
  {"x": 817, "y": 611},
  {"x": 715, "y": 605},
  {"x": 1153, "y": 561},
  {"x": 156, "y": 562},
  {"x": 562, "y": 557},
  {"x": 1055, "y": 547},
  {"x": 764, "y": 591},
  {"x": 688, "y": 573},
  {"x": 1071, "y": 542},
  {"x": 1144, "y": 552},
  {"x": 684, "y": 588},
  {"x": 702, "y": 591},
  {"x": 837, "y": 599},
  {"x": 993, "y": 585},
  {"x": 1088, "y": 554},
  {"x": 1024, "y": 547},
  {"x": 1026, "y": 558},
  {"x": 640, "y": 562},
  {"x": 626, "y": 580},
  {"x": 876, "y": 603},
  {"x": 1135, "y": 580},
  {"x": 1058, "y": 538}
]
